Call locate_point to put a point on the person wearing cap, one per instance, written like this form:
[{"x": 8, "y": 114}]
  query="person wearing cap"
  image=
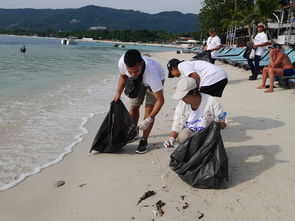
[
  {"x": 194, "y": 112},
  {"x": 132, "y": 64},
  {"x": 213, "y": 44},
  {"x": 210, "y": 78},
  {"x": 259, "y": 42},
  {"x": 279, "y": 65}
]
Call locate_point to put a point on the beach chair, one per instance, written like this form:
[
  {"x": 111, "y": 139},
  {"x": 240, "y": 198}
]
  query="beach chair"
[
  {"x": 243, "y": 63},
  {"x": 234, "y": 54},
  {"x": 292, "y": 83},
  {"x": 223, "y": 51}
]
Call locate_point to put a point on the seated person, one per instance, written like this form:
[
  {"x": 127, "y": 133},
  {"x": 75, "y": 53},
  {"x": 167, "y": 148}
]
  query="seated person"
[
  {"x": 279, "y": 65},
  {"x": 194, "y": 111}
]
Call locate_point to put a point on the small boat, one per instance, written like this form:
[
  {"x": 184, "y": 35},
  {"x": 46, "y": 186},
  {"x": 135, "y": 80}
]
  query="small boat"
[
  {"x": 118, "y": 46},
  {"x": 69, "y": 41}
]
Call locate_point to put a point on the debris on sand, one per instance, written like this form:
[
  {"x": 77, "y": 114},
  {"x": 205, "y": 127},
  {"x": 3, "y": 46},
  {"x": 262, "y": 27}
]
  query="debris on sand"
[
  {"x": 146, "y": 195},
  {"x": 159, "y": 206},
  {"x": 186, "y": 205},
  {"x": 81, "y": 185},
  {"x": 60, "y": 183},
  {"x": 200, "y": 215}
]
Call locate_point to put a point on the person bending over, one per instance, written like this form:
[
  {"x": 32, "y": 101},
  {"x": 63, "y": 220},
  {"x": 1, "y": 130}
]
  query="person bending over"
[
  {"x": 132, "y": 64},
  {"x": 209, "y": 78},
  {"x": 194, "y": 112},
  {"x": 279, "y": 65}
]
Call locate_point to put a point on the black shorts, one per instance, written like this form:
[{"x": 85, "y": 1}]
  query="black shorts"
[{"x": 215, "y": 89}]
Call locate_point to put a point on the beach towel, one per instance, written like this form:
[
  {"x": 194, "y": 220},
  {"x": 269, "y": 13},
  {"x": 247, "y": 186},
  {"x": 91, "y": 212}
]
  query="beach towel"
[
  {"x": 115, "y": 131},
  {"x": 201, "y": 160}
]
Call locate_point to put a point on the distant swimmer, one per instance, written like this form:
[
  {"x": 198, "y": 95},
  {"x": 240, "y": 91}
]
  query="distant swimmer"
[{"x": 23, "y": 49}]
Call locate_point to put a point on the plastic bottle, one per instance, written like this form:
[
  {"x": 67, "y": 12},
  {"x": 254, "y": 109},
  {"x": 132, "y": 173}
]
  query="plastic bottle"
[{"x": 221, "y": 116}]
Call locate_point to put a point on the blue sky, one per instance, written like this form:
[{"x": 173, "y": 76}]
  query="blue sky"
[{"x": 148, "y": 6}]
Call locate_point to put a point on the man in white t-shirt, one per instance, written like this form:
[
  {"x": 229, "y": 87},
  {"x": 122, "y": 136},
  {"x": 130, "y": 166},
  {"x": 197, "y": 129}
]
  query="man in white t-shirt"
[
  {"x": 213, "y": 44},
  {"x": 259, "y": 42},
  {"x": 133, "y": 65},
  {"x": 210, "y": 78},
  {"x": 193, "y": 113}
]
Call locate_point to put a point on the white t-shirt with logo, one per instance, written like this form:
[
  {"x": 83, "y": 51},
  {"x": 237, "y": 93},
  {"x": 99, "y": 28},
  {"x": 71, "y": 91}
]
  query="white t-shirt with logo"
[
  {"x": 153, "y": 75},
  {"x": 184, "y": 116},
  {"x": 207, "y": 112},
  {"x": 209, "y": 73},
  {"x": 213, "y": 42},
  {"x": 260, "y": 38}
]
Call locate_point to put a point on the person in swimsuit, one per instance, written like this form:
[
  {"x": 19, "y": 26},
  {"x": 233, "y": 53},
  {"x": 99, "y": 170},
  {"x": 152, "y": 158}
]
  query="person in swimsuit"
[{"x": 279, "y": 66}]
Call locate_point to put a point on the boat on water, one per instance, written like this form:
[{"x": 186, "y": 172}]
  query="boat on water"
[
  {"x": 69, "y": 41},
  {"x": 118, "y": 46}
]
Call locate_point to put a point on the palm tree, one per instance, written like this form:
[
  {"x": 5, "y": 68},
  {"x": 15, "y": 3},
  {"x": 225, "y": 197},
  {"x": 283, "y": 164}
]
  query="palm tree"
[
  {"x": 265, "y": 10},
  {"x": 240, "y": 18}
]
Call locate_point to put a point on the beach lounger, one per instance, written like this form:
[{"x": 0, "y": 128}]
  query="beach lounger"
[
  {"x": 232, "y": 53},
  {"x": 237, "y": 56},
  {"x": 243, "y": 63},
  {"x": 223, "y": 51},
  {"x": 292, "y": 83},
  {"x": 286, "y": 81}
]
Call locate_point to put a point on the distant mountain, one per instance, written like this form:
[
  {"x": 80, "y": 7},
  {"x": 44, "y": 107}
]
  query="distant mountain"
[{"x": 98, "y": 18}]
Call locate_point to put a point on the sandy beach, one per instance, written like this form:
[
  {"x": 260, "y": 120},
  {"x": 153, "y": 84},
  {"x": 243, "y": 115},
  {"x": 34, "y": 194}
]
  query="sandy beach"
[{"x": 258, "y": 142}]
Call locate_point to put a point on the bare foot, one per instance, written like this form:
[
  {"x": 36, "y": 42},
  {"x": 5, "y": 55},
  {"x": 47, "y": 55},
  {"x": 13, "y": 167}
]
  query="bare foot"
[
  {"x": 268, "y": 91},
  {"x": 260, "y": 87}
]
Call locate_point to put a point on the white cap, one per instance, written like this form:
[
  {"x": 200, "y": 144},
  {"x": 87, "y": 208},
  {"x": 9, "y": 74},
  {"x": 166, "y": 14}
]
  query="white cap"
[{"x": 184, "y": 86}]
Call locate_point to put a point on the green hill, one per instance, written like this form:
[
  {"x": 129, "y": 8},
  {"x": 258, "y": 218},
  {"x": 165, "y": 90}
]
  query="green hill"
[{"x": 93, "y": 16}]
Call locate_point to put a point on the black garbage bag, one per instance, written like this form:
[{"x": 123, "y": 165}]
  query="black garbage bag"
[
  {"x": 201, "y": 160},
  {"x": 115, "y": 131},
  {"x": 248, "y": 50},
  {"x": 204, "y": 56}
]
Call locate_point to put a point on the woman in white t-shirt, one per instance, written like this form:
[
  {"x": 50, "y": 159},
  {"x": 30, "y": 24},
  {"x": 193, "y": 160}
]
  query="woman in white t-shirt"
[
  {"x": 193, "y": 113},
  {"x": 210, "y": 78},
  {"x": 259, "y": 42}
]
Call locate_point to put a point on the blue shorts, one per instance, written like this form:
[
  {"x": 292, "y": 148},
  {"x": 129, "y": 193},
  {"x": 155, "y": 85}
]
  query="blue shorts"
[{"x": 289, "y": 72}]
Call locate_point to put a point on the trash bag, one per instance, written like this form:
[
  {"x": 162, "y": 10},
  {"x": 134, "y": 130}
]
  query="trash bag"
[
  {"x": 115, "y": 131},
  {"x": 248, "y": 51},
  {"x": 201, "y": 160},
  {"x": 204, "y": 56}
]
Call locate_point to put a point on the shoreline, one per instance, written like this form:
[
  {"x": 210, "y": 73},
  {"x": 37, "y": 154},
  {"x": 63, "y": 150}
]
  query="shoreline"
[
  {"x": 106, "y": 41},
  {"x": 108, "y": 186}
]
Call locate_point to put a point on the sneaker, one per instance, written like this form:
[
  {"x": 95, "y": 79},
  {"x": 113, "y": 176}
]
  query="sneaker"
[
  {"x": 142, "y": 147},
  {"x": 252, "y": 77}
]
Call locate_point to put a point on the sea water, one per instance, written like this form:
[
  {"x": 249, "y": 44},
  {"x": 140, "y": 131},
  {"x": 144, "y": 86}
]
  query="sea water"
[{"x": 47, "y": 95}]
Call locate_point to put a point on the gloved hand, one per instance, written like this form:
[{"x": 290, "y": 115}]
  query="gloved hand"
[
  {"x": 145, "y": 124},
  {"x": 169, "y": 142}
]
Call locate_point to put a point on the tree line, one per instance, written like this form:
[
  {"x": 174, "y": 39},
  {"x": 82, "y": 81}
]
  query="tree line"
[
  {"x": 223, "y": 14},
  {"x": 120, "y": 35}
]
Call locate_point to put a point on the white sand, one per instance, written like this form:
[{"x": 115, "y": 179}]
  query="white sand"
[{"x": 261, "y": 155}]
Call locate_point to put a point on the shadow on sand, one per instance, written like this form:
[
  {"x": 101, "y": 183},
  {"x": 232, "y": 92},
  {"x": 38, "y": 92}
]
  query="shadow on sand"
[
  {"x": 248, "y": 162},
  {"x": 238, "y": 127}
]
